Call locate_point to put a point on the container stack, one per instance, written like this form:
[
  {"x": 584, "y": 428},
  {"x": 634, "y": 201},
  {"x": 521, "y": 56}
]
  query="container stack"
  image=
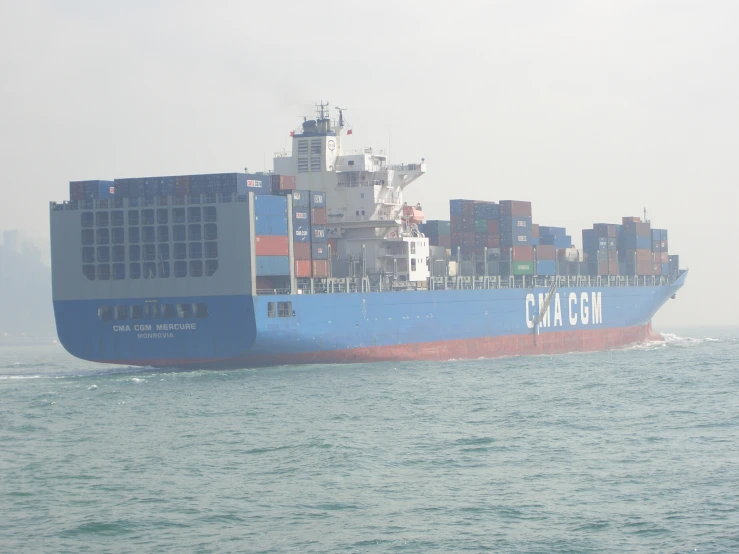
[
  {"x": 319, "y": 238},
  {"x": 462, "y": 227},
  {"x": 438, "y": 232},
  {"x": 554, "y": 236},
  {"x": 302, "y": 234},
  {"x": 660, "y": 256},
  {"x": 546, "y": 260},
  {"x": 635, "y": 247},
  {"x": 271, "y": 239},
  {"x": 91, "y": 190},
  {"x": 487, "y": 230},
  {"x": 184, "y": 185},
  {"x": 517, "y": 260},
  {"x": 515, "y": 224},
  {"x": 283, "y": 184}
]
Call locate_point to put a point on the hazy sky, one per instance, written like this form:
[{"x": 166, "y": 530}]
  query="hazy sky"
[{"x": 591, "y": 109}]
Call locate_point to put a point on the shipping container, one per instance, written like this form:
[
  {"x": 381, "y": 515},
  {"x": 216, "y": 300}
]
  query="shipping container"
[
  {"x": 258, "y": 183},
  {"x": 301, "y": 232},
  {"x": 606, "y": 230},
  {"x": 627, "y": 220},
  {"x": 665, "y": 269},
  {"x": 674, "y": 262},
  {"x": 317, "y": 199},
  {"x": 318, "y": 216},
  {"x": 613, "y": 268},
  {"x": 535, "y": 232},
  {"x": 301, "y": 199},
  {"x": 494, "y": 227},
  {"x": 634, "y": 242},
  {"x": 318, "y": 234},
  {"x": 481, "y": 226},
  {"x": 267, "y": 245},
  {"x": 270, "y": 205},
  {"x": 546, "y": 252},
  {"x": 436, "y": 228},
  {"x": 320, "y": 268},
  {"x": 546, "y": 267},
  {"x": 319, "y": 251},
  {"x": 302, "y": 250},
  {"x": 562, "y": 241},
  {"x": 462, "y": 208},
  {"x": 517, "y": 253},
  {"x": 303, "y": 268},
  {"x": 282, "y": 183},
  {"x": 270, "y": 225},
  {"x": 301, "y": 216},
  {"x": 76, "y": 190},
  {"x": 442, "y": 240},
  {"x": 272, "y": 265},
  {"x": 548, "y": 231},
  {"x": 333, "y": 247},
  {"x": 639, "y": 229},
  {"x": 515, "y": 208}
]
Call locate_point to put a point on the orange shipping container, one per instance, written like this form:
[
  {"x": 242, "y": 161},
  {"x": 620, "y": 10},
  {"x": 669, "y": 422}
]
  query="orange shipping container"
[
  {"x": 301, "y": 251},
  {"x": 545, "y": 252},
  {"x": 302, "y": 268},
  {"x": 318, "y": 216},
  {"x": 534, "y": 230},
  {"x": 334, "y": 245},
  {"x": 271, "y": 245},
  {"x": 320, "y": 268}
]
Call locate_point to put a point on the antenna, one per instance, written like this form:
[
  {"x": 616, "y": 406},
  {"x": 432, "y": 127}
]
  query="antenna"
[
  {"x": 322, "y": 110},
  {"x": 341, "y": 115},
  {"x": 645, "y": 216}
]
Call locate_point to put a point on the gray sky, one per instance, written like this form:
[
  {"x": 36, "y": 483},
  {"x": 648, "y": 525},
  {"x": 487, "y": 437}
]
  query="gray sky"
[{"x": 592, "y": 110}]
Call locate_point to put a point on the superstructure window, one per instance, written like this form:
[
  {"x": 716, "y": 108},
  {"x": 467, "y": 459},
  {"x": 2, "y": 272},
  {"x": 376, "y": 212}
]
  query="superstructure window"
[
  {"x": 119, "y": 271},
  {"x": 211, "y": 250},
  {"x": 209, "y": 214},
  {"x": 147, "y": 217},
  {"x": 271, "y": 309},
  {"x": 211, "y": 266},
  {"x": 137, "y": 312},
  {"x": 148, "y": 234},
  {"x": 134, "y": 270},
  {"x": 284, "y": 309},
  {"x": 120, "y": 312},
  {"x": 103, "y": 236},
  {"x": 179, "y": 233},
  {"x": 163, "y": 233},
  {"x": 150, "y": 270},
  {"x": 164, "y": 270},
  {"x": 201, "y": 310},
  {"x": 178, "y": 215},
  {"x": 88, "y": 255},
  {"x": 180, "y": 269},
  {"x": 163, "y": 253},
  {"x": 118, "y": 202},
  {"x": 105, "y": 313},
  {"x": 88, "y": 237},
  {"x": 168, "y": 311},
  {"x": 196, "y": 250},
  {"x": 133, "y": 217},
  {"x": 103, "y": 272},
  {"x": 89, "y": 272},
  {"x": 116, "y": 218},
  {"x": 119, "y": 253},
  {"x": 134, "y": 235},
  {"x": 193, "y": 215},
  {"x": 196, "y": 268},
  {"x": 184, "y": 311},
  {"x": 118, "y": 235},
  {"x": 103, "y": 253},
  {"x": 134, "y": 253},
  {"x": 101, "y": 219},
  {"x": 150, "y": 252},
  {"x": 180, "y": 251},
  {"x": 194, "y": 232},
  {"x": 87, "y": 219},
  {"x": 211, "y": 231},
  {"x": 162, "y": 216}
]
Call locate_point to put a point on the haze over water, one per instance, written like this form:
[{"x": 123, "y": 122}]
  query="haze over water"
[{"x": 621, "y": 451}]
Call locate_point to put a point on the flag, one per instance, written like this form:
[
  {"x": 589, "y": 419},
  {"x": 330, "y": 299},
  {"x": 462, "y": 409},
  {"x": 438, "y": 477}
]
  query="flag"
[
  {"x": 349, "y": 132},
  {"x": 292, "y": 133}
]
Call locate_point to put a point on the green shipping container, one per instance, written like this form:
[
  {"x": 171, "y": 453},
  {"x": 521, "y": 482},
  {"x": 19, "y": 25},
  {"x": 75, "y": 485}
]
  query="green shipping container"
[
  {"x": 523, "y": 268},
  {"x": 481, "y": 226}
]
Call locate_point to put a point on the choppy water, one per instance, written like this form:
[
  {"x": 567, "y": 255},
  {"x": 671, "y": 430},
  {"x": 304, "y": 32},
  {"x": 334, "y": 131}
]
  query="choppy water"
[{"x": 625, "y": 451}]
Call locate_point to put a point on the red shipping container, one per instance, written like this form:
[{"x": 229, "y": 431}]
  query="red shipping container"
[
  {"x": 320, "y": 268},
  {"x": 182, "y": 185},
  {"x": 656, "y": 257},
  {"x": 515, "y": 208},
  {"x": 301, "y": 251},
  {"x": 664, "y": 258},
  {"x": 534, "y": 230},
  {"x": 494, "y": 227},
  {"x": 303, "y": 268},
  {"x": 613, "y": 268},
  {"x": 656, "y": 269},
  {"x": 318, "y": 216},
  {"x": 545, "y": 252},
  {"x": 517, "y": 253},
  {"x": 282, "y": 182},
  {"x": 605, "y": 230},
  {"x": 271, "y": 245},
  {"x": 334, "y": 245},
  {"x": 493, "y": 241},
  {"x": 613, "y": 256},
  {"x": 644, "y": 268},
  {"x": 603, "y": 268},
  {"x": 76, "y": 191},
  {"x": 626, "y": 220},
  {"x": 442, "y": 240}
]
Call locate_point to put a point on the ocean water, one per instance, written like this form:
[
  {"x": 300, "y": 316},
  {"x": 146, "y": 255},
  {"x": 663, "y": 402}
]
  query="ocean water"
[{"x": 633, "y": 450}]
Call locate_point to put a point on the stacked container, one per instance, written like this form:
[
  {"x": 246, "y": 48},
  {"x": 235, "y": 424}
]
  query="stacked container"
[
  {"x": 302, "y": 233},
  {"x": 271, "y": 239},
  {"x": 487, "y": 229},
  {"x": 319, "y": 238},
  {"x": 91, "y": 190},
  {"x": 515, "y": 223},
  {"x": 438, "y": 232},
  {"x": 660, "y": 256},
  {"x": 462, "y": 227},
  {"x": 554, "y": 236},
  {"x": 546, "y": 259},
  {"x": 517, "y": 260},
  {"x": 635, "y": 247},
  {"x": 283, "y": 184}
]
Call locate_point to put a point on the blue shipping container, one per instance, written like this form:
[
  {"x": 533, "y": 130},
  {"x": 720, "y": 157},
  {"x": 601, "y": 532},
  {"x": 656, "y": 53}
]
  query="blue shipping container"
[
  {"x": 270, "y": 225},
  {"x": 589, "y": 242},
  {"x": 258, "y": 183},
  {"x": 547, "y": 231},
  {"x": 563, "y": 241},
  {"x": 665, "y": 269},
  {"x": 106, "y": 189},
  {"x": 535, "y": 241},
  {"x": 318, "y": 234},
  {"x": 268, "y": 266},
  {"x": 631, "y": 242},
  {"x": 317, "y": 199},
  {"x": 546, "y": 267},
  {"x": 270, "y": 205},
  {"x": 301, "y": 198},
  {"x": 301, "y": 233},
  {"x": 457, "y": 206},
  {"x": 319, "y": 251},
  {"x": 301, "y": 215}
]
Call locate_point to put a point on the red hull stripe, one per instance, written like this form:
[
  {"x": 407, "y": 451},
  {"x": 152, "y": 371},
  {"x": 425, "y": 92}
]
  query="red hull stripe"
[{"x": 558, "y": 342}]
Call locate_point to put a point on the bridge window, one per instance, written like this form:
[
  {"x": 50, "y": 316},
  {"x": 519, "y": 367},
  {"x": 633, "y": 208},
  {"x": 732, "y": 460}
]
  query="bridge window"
[
  {"x": 120, "y": 312},
  {"x": 196, "y": 250},
  {"x": 150, "y": 270},
  {"x": 284, "y": 309},
  {"x": 134, "y": 253},
  {"x": 119, "y": 271},
  {"x": 105, "y": 313},
  {"x": 133, "y": 217},
  {"x": 137, "y": 312},
  {"x": 89, "y": 272},
  {"x": 209, "y": 214},
  {"x": 184, "y": 310},
  {"x": 134, "y": 234},
  {"x": 271, "y": 309},
  {"x": 103, "y": 254},
  {"x": 193, "y": 215},
  {"x": 178, "y": 215},
  {"x": 180, "y": 269},
  {"x": 196, "y": 268},
  {"x": 148, "y": 234},
  {"x": 180, "y": 251},
  {"x": 162, "y": 216},
  {"x": 118, "y": 235},
  {"x": 211, "y": 266},
  {"x": 147, "y": 217},
  {"x": 88, "y": 255},
  {"x": 179, "y": 233},
  {"x": 103, "y": 272},
  {"x": 134, "y": 270},
  {"x": 103, "y": 236},
  {"x": 169, "y": 311},
  {"x": 211, "y": 249},
  {"x": 164, "y": 251},
  {"x": 88, "y": 236},
  {"x": 119, "y": 253},
  {"x": 116, "y": 218},
  {"x": 87, "y": 219},
  {"x": 164, "y": 269},
  {"x": 211, "y": 231},
  {"x": 101, "y": 219},
  {"x": 163, "y": 233},
  {"x": 194, "y": 232},
  {"x": 201, "y": 310},
  {"x": 150, "y": 253}
]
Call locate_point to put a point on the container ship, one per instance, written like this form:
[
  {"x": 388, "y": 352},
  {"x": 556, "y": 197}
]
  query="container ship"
[{"x": 322, "y": 261}]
